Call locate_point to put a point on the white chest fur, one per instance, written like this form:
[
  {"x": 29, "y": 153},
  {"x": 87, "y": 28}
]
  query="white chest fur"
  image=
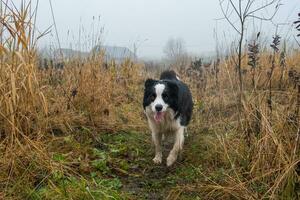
[{"x": 168, "y": 125}]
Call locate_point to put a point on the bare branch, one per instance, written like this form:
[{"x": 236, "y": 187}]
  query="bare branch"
[
  {"x": 263, "y": 18},
  {"x": 240, "y": 9},
  {"x": 248, "y": 6},
  {"x": 227, "y": 18},
  {"x": 231, "y": 12},
  {"x": 243, "y": 13},
  {"x": 234, "y": 7},
  {"x": 264, "y": 6},
  {"x": 297, "y": 41}
]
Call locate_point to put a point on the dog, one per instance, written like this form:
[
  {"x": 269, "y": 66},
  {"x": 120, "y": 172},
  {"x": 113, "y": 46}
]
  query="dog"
[{"x": 168, "y": 105}]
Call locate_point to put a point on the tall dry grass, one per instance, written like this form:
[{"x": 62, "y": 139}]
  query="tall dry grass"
[
  {"x": 262, "y": 160},
  {"x": 24, "y": 107},
  {"x": 37, "y": 106}
]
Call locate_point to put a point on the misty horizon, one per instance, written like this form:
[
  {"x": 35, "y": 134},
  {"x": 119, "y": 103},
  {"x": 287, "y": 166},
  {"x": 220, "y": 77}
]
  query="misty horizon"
[{"x": 147, "y": 26}]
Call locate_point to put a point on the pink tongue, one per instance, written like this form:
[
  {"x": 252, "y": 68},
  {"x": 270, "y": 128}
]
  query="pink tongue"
[{"x": 158, "y": 117}]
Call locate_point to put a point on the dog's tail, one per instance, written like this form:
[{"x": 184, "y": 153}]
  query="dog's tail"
[{"x": 169, "y": 75}]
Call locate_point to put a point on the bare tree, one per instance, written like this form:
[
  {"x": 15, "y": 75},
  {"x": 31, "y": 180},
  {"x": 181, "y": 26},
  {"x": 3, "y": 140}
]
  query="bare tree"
[
  {"x": 297, "y": 24},
  {"x": 175, "y": 51},
  {"x": 236, "y": 13}
]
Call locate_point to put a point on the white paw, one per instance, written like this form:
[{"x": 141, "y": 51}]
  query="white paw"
[
  {"x": 171, "y": 159},
  {"x": 157, "y": 159}
]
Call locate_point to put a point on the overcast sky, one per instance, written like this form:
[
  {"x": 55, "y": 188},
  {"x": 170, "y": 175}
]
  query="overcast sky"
[{"x": 147, "y": 23}]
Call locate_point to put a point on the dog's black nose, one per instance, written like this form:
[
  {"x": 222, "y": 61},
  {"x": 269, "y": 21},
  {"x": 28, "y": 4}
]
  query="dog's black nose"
[{"x": 158, "y": 107}]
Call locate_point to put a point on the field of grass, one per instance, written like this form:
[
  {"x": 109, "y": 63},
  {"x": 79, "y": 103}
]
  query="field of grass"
[{"x": 80, "y": 132}]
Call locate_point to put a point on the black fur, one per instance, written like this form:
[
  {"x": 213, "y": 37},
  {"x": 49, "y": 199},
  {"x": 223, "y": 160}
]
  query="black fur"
[
  {"x": 177, "y": 93},
  {"x": 149, "y": 91},
  {"x": 168, "y": 75}
]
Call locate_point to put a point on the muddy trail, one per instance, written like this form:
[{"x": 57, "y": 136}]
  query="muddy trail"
[{"x": 131, "y": 157}]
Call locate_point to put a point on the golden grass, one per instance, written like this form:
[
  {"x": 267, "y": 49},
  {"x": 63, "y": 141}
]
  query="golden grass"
[
  {"x": 259, "y": 164},
  {"x": 37, "y": 104}
]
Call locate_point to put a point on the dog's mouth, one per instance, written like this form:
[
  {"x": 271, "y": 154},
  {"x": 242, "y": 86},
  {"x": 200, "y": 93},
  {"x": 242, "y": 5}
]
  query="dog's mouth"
[{"x": 158, "y": 116}]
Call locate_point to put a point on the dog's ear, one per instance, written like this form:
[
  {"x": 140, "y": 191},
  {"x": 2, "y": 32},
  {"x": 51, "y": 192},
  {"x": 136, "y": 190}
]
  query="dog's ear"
[
  {"x": 173, "y": 87},
  {"x": 149, "y": 83}
]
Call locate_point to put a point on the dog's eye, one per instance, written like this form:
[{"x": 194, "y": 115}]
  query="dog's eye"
[
  {"x": 165, "y": 96},
  {"x": 152, "y": 97}
]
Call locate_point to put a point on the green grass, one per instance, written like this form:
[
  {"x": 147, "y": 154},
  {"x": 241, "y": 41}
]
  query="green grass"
[{"x": 120, "y": 167}]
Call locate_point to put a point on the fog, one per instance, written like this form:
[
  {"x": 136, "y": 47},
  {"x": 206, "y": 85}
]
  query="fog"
[{"x": 146, "y": 24}]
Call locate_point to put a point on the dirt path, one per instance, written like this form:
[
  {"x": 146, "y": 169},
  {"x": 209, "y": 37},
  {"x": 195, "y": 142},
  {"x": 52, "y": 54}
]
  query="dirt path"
[{"x": 142, "y": 179}]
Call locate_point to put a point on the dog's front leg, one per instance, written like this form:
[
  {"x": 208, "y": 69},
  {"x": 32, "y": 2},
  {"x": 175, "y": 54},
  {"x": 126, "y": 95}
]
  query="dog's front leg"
[
  {"x": 178, "y": 144},
  {"x": 156, "y": 136}
]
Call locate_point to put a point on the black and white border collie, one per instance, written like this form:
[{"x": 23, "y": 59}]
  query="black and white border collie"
[{"x": 168, "y": 106}]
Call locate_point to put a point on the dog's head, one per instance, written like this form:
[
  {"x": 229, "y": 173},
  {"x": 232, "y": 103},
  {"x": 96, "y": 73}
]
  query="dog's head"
[{"x": 159, "y": 97}]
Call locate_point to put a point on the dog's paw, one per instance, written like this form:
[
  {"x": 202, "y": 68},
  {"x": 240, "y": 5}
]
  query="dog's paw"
[
  {"x": 157, "y": 159},
  {"x": 171, "y": 159}
]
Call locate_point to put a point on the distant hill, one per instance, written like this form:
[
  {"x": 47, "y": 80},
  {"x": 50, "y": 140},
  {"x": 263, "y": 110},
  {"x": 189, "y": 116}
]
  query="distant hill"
[
  {"x": 67, "y": 53},
  {"x": 111, "y": 52},
  {"x": 114, "y": 52},
  {"x": 70, "y": 53}
]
